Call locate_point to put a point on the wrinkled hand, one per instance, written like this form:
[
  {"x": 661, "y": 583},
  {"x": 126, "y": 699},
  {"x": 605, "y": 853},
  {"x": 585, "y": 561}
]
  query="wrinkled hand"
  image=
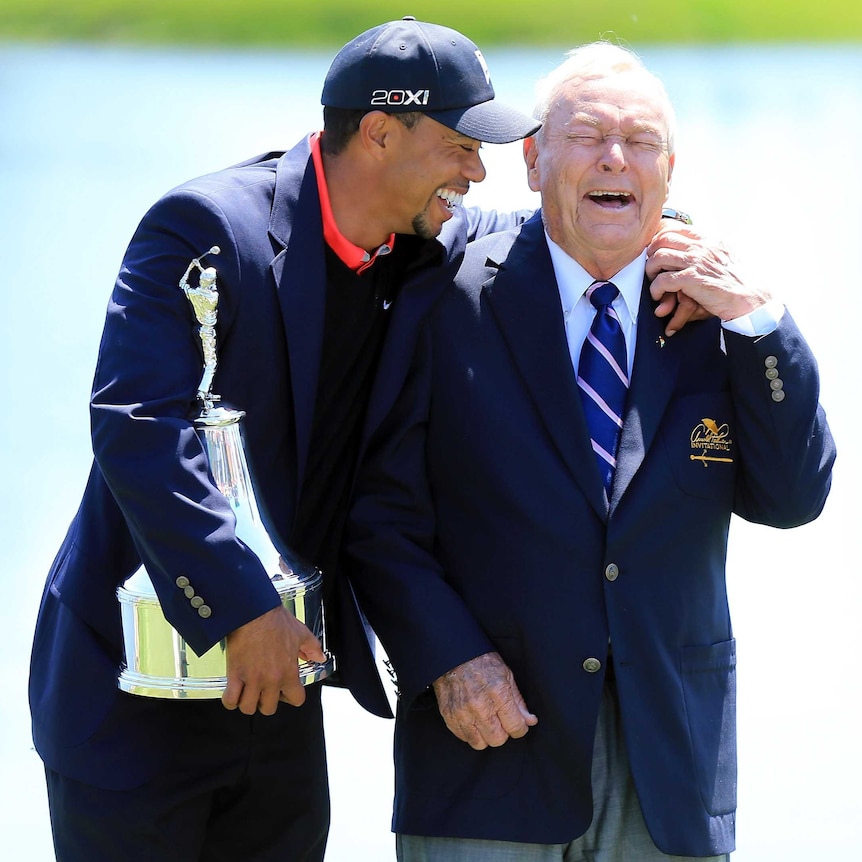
[
  {"x": 699, "y": 275},
  {"x": 481, "y": 704},
  {"x": 263, "y": 662}
]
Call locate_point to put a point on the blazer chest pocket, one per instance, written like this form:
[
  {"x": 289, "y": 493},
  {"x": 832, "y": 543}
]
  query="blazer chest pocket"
[{"x": 699, "y": 437}]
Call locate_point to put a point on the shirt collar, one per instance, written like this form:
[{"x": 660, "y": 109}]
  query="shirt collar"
[
  {"x": 354, "y": 257},
  {"x": 573, "y": 280}
]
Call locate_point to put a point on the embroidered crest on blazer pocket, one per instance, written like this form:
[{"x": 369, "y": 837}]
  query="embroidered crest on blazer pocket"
[{"x": 698, "y": 434}]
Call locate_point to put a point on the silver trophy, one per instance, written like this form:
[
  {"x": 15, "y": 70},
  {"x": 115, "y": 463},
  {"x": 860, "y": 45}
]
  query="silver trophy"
[{"x": 158, "y": 662}]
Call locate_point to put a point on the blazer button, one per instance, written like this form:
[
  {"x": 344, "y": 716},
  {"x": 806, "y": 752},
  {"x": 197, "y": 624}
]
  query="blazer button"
[
  {"x": 612, "y": 571},
  {"x": 776, "y": 384},
  {"x": 196, "y": 601},
  {"x": 778, "y": 395},
  {"x": 592, "y": 665},
  {"x": 770, "y": 361},
  {"x": 771, "y": 373},
  {"x": 189, "y": 592},
  {"x": 182, "y": 582},
  {"x": 205, "y": 611}
]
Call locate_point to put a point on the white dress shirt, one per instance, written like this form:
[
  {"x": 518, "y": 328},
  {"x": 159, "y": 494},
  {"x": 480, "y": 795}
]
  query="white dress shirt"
[{"x": 578, "y": 312}]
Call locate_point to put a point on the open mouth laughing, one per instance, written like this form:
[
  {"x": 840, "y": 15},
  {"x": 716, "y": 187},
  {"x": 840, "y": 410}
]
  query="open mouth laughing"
[
  {"x": 610, "y": 199},
  {"x": 450, "y": 197}
]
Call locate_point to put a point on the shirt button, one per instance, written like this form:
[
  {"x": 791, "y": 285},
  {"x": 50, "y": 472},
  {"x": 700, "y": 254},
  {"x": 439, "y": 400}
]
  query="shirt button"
[
  {"x": 612, "y": 571},
  {"x": 770, "y": 361},
  {"x": 592, "y": 665}
]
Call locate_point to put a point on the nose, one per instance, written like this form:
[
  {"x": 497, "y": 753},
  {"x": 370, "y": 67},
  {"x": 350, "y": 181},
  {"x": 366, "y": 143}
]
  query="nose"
[
  {"x": 613, "y": 157},
  {"x": 474, "y": 168}
]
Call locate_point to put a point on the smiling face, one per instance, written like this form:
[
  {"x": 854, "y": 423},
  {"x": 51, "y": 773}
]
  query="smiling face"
[
  {"x": 430, "y": 175},
  {"x": 602, "y": 164}
]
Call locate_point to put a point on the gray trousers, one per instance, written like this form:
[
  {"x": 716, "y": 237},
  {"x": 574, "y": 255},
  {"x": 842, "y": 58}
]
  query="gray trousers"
[{"x": 617, "y": 833}]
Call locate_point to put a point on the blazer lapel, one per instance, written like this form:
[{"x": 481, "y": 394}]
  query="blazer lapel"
[
  {"x": 526, "y": 303},
  {"x": 299, "y": 270},
  {"x": 654, "y": 374},
  {"x": 411, "y": 305}
]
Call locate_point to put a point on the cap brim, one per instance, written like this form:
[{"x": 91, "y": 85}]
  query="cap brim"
[{"x": 489, "y": 121}]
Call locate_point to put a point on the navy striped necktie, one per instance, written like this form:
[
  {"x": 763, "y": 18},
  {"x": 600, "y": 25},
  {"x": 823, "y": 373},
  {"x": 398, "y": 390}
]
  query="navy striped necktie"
[{"x": 603, "y": 378}]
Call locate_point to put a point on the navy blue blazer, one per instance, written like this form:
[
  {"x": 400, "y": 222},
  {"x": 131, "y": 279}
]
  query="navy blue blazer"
[
  {"x": 480, "y": 523},
  {"x": 150, "y": 497}
]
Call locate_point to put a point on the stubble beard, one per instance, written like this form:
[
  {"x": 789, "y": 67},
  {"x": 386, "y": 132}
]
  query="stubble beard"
[{"x": 422, "y": 225}]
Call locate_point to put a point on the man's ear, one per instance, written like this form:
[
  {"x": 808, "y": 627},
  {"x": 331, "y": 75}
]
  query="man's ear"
[
  {"x": 374, "y": 132},
  {"x": 531, "y": 155}
]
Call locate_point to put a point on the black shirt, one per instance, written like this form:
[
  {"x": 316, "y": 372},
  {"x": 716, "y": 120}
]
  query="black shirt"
[{"x": 357, "y": 315}]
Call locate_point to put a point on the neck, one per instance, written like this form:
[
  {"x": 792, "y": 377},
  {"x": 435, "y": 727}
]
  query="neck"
[
  {"x": 602, "y": 265},
  {"x": 354, "y": 202}
]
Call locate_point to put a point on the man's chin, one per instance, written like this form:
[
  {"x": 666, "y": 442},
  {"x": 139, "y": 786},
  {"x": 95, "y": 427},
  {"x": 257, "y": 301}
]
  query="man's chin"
[
  {"x": 617, "y": 236},
  {"x": 424, "y": 228}
]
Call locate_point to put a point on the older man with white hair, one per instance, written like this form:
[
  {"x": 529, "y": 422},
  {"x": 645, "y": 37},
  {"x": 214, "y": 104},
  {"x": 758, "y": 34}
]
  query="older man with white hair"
[{"x": 540, "y": 531}]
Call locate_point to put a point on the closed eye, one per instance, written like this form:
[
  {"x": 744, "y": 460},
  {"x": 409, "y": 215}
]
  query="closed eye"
[
  {"x": 647, "y": 144},
  {"x": 586, "y": 140}
]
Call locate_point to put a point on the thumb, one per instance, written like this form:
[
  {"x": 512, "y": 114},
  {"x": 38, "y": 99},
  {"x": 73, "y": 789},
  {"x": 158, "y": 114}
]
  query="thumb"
[
  {"x": 310, "y": 649},
  {"x": 529, "y": 717}
]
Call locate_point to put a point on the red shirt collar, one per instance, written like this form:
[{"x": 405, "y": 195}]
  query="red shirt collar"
[{"x": 354, "y": 257}]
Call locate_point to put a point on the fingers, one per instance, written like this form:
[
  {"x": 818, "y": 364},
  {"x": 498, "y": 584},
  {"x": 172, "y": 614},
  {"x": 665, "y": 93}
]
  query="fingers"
[
  {"x": 481, "y": 704},
  {"x": 693, "y": 278},
  {"x": 291, "y": 691},
  {"x": 513, "y": 717},
  {"x": 677, "y": 306},
  {"x": 681, "y": 316},
  {"x": 232, "y": 693},
  {"x": 262, "y": 660},
  {"x": 667, "y": 303},
  {"x": 262, "y": 692},
  {"x": 467, "y": 731}
]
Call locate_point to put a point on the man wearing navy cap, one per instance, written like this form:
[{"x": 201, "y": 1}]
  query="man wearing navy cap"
[{"x": 319, "y": 247}]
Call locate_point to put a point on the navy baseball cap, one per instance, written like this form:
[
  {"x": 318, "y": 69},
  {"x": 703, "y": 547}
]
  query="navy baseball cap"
[{"x": 409, "y": 65}]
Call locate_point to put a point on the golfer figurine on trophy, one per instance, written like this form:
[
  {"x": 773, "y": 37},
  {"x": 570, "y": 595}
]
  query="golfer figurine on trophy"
[{"x": 158, "y": 662}]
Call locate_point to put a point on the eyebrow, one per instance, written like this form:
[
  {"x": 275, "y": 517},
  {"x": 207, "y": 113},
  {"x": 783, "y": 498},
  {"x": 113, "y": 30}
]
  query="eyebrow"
[{"x": 638, "y": 126}]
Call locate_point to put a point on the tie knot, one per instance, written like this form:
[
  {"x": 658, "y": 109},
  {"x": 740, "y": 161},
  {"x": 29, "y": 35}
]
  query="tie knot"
[{"x": 602, "y": 293}]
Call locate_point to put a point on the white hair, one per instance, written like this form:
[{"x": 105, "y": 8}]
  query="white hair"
[{"x": 595, "y": 61}]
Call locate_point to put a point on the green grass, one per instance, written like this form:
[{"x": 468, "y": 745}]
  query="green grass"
[{"x": 326, "y": 23}]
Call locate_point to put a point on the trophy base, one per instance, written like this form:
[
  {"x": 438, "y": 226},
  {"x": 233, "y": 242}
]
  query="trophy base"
[{"x": 159, "y": 663}]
